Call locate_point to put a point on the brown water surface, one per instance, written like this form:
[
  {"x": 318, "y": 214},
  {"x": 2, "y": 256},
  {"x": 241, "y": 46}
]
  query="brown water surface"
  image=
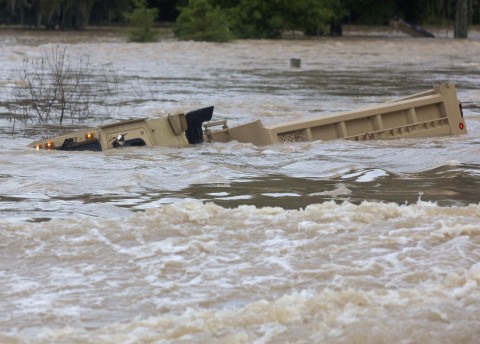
[{"x": 335, "y": 242}]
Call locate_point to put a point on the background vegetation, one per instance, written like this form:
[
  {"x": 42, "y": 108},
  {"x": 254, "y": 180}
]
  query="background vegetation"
[
  {"x": 228, "y": 18},
  {"x": 141, "y": 20},
  {"x": 202, "y": 21}
]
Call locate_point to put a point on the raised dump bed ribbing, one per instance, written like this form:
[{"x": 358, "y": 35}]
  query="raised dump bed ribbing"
[
  {"x": 435, "y": 112},
  {"x": 432, "y": 113}
]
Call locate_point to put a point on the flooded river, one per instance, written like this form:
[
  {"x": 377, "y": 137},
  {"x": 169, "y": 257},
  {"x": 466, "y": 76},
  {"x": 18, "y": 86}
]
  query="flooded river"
[{"x": 316, "y": 242}]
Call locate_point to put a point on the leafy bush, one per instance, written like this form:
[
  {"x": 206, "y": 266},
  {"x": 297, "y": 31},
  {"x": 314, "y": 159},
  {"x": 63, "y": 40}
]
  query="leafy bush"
[
  {"x": 200, "y": 21},
  {"x": 315, "y": 17},
  {"x": 269, "y": 19},
  {"x": 141, "y": 20},
  {"x": 257, "y": 19}
]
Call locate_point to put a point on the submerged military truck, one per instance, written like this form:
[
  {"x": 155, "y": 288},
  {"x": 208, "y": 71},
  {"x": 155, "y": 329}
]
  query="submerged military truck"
[{"x": 435, "y": 112}]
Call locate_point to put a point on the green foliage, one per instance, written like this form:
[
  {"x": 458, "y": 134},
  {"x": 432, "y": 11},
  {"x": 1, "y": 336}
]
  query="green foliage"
[
  {"x": 200, "y": 21},
  {"x": 316, "y": 16},
  {"x": 141, "y": 20},
  {"x": 257, "y": 19},
  {"x": 203, "y": 19},
  {"x": 370, "y": 11},
  {"x": 269, "y": 18}
]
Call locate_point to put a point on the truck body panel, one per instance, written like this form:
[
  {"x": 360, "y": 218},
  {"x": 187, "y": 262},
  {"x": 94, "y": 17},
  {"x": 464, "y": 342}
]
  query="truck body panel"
[{"x": 435, "y": 112}]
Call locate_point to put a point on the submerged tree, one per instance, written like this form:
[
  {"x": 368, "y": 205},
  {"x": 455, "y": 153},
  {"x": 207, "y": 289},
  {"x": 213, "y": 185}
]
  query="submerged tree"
[{"x": 55, "y": 88}]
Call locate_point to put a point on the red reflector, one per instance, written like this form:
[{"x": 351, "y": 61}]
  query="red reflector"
[{"x": 461, "y": 126}]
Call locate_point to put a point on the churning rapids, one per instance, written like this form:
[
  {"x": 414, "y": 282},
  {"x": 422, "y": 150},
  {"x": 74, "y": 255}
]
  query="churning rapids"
[{"x": 320, "y": 242}]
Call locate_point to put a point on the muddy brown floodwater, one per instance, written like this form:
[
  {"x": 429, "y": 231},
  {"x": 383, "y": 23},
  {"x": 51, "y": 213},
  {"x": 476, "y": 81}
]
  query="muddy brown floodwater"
[{"x": 316, "y": 242}]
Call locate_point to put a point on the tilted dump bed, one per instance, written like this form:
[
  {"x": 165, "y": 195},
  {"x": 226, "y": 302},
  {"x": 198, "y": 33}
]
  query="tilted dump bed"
[{"x": 435, "y": 112}]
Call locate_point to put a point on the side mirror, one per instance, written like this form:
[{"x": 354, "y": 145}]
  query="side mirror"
[{"x": 120, "y": 140}]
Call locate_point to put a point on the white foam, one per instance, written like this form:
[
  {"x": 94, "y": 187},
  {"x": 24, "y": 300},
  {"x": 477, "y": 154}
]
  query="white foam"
[
  {"x": 280, "y": 194},
  {"x": 366, "y": 176}
]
